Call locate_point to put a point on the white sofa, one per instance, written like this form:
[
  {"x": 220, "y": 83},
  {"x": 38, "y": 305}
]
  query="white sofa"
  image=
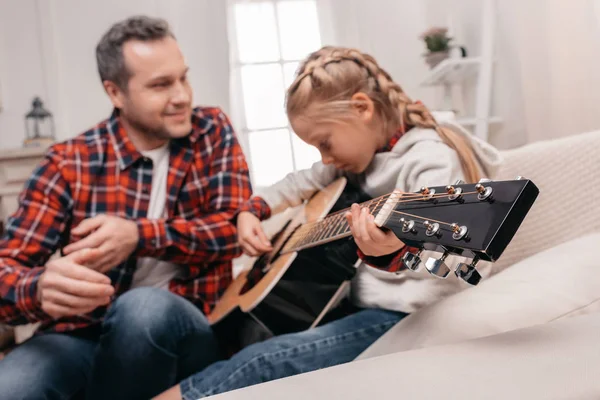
[
  {"x": 549, "y": 272},
  {"x": 559, "y": 360}
]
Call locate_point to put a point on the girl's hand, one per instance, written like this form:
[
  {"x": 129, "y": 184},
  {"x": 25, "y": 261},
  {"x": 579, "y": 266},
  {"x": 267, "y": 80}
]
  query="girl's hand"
[{"x": 371, "y": 240}]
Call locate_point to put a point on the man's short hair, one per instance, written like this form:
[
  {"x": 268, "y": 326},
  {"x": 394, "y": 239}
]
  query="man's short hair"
[{"x": 109, "y": 51}]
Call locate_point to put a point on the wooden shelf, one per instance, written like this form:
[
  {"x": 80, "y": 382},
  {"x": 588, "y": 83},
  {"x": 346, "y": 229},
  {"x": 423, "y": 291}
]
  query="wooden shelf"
[
  {"x": 22, "y": 152},
  {"x": 452, "y": 71}
]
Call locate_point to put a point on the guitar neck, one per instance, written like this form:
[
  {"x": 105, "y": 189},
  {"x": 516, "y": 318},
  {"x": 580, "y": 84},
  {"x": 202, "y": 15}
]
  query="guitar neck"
[{"x": 328, "y": 229}]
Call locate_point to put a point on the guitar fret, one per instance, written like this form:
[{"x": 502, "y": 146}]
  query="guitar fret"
[
  {"x": 342, "y": 225},
  {"x": 341, "y": 228},
  {"x": 331, "y": 227},
  {"x": 306, "y": 237},
  {"x": 322, "y": 231},
  {"x": 314, "y": 232},
  {"x": 301, "y": 238}
]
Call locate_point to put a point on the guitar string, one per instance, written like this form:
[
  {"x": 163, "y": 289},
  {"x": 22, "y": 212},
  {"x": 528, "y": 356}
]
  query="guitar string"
[{"x": 308, "y": 226}]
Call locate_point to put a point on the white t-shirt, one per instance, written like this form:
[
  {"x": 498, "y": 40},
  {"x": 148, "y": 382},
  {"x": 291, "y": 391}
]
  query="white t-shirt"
[{"x": 151, "y": 271}]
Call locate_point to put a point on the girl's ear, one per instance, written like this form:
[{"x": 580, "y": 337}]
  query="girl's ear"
[{"x": 363, "y": 106}]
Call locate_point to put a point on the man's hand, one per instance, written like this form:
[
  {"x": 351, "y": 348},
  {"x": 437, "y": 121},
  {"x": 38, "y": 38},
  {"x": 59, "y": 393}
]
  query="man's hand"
[
  {"x": 115, "y": 238},
  {"x": 69, "y": 288},
  {"x": 371, "y": 240},
  {"x": 251, "y": 236}
]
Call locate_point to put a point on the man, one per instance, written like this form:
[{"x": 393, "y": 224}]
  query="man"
[{"x": 140, "y": 207}]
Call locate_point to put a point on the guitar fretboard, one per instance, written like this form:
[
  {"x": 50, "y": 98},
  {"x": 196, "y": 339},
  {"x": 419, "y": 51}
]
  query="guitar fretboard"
[{"x": 330, "y": 228}]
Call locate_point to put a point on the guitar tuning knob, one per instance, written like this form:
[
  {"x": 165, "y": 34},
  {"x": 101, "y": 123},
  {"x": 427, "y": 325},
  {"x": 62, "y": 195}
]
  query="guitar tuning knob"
[
  {"x": 425, "y": 191},
  {"x": 437, "y": 266},
  {"x": 459, "y": 182},
  {"x": 433, "y": 229},
  {"x": 468, "y": 272},
  {"x": 454, "y": 192},
  {"x": 484, "y": 180},
  {"x": 483, "y": 192},
  {"x": 407, "y": 225},
  {"x": 412, "y": 260}
]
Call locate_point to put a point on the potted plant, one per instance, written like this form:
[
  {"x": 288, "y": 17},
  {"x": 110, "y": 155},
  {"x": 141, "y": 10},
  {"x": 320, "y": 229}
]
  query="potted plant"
[{"x": 437, "y": 43}]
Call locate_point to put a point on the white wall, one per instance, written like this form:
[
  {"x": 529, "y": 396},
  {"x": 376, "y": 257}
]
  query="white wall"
[
  {"x": 47, "y": 49},
  {"x": 386, "y": 29},
  {"x": 546, "y": 81}
]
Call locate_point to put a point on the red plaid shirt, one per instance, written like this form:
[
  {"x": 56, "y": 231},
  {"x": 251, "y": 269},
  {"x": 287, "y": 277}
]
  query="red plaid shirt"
[{"x": 101, "y": 172}]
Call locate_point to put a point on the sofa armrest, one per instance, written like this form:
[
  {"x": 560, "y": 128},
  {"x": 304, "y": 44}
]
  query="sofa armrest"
[{"x": 559, "y": 282}]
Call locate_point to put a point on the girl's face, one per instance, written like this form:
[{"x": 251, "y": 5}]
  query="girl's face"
[{"x": 349, "y": 144}]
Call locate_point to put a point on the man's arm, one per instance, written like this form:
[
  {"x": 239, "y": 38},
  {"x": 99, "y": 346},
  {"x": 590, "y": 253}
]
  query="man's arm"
[
  {"x": 213, "y": 236},
  {"x": 32, "y": 235}
]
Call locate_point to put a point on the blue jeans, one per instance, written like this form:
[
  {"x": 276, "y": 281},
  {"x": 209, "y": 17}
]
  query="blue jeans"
[
  {"x": 331, "y": 344},
  {"x": 149, "y": 341}
]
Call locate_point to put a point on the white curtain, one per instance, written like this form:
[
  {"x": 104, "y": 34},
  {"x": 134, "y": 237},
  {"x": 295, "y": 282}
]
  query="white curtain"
[{"x": 558, "y": 60}]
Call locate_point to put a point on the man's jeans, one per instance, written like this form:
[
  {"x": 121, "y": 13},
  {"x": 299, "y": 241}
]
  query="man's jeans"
[{"x": 150, "y": 340}]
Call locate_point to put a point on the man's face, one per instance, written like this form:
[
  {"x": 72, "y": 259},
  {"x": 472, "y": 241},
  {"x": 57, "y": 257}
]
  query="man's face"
[{"x": 158, "y": 99}]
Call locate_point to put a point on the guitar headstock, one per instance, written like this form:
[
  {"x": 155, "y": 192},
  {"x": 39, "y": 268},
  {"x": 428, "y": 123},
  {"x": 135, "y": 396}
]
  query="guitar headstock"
[{"x": 476, "y": 221}]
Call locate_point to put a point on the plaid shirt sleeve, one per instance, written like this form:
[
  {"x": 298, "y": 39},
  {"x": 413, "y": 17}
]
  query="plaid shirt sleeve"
[
  {"x": 391, "y": 262},
  {"x": 214, "y": 236},
  {"x": 257, "y": 206},
  {"x": 32, "y": 235}
]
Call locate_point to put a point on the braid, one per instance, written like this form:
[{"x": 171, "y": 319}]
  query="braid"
[{"x": 327, "y": 75}]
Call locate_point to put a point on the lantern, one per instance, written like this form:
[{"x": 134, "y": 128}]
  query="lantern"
[{"x": 39, "y": 126}]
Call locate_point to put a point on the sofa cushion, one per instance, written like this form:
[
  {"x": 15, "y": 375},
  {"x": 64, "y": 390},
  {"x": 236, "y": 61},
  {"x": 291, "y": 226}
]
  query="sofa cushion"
[
  {"x": 553, "y": 361},
  {"x": 553, "y": 284},
  {"x": 567, "y": 174}
]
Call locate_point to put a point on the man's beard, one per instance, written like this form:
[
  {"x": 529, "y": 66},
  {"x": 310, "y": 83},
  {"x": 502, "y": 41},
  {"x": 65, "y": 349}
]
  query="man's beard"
[{"x": 153, "y": 132}]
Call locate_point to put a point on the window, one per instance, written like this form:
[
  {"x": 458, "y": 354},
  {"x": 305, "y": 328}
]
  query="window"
[{"x": 269, "y": 38}]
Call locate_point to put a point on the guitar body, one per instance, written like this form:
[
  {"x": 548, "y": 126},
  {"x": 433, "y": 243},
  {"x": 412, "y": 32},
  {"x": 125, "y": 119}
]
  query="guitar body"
[{"x": 292, "y": 292}]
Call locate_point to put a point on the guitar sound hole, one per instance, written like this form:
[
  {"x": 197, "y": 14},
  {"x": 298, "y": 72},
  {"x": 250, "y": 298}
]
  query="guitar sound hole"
[
  {"x": 260, "y": 267},
  {"x": 257, "y": 272}
]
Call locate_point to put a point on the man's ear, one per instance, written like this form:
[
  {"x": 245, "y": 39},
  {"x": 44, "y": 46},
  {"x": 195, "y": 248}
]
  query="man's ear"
[
  {"x": 363, "y": 106},
  {"x": 115, "y": 93}
]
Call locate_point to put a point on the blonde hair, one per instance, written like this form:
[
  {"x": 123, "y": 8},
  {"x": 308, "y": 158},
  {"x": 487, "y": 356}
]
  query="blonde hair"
[{"x": 328, "y": 78}]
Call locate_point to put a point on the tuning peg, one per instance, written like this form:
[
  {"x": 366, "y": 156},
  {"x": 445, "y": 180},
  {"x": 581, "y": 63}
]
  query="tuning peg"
[
  {"x": 407, "y": 225},
  {"x": 484, "y": 192},
  {"x": 425, "y": 191},
  {"x": 454, "y": 192},
  {"x": 459, "y": 232},
  {"x": 485, "y": 180},
  {"x": 437, "y": 266},
  {"x": 433, "y": 229},
  {"x": 412, "y": 260},
  {"x": 468, "y": 272},
  {"x": 519, "y": 178},
  {"x": 459, "y": 182}
]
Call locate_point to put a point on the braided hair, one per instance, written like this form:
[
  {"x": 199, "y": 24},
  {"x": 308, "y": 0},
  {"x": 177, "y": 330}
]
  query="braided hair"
[{"x": 328, "y": 78}]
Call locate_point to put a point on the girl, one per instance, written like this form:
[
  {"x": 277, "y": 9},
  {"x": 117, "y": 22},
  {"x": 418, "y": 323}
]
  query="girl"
[{"x": 368, "y": 130}]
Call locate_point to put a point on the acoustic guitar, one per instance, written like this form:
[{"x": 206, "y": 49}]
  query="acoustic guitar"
[{"x": 293, "y": 287}]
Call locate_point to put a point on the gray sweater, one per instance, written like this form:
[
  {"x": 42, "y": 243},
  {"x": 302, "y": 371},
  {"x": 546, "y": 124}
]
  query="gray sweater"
[{"x": 420, "y": 158}]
